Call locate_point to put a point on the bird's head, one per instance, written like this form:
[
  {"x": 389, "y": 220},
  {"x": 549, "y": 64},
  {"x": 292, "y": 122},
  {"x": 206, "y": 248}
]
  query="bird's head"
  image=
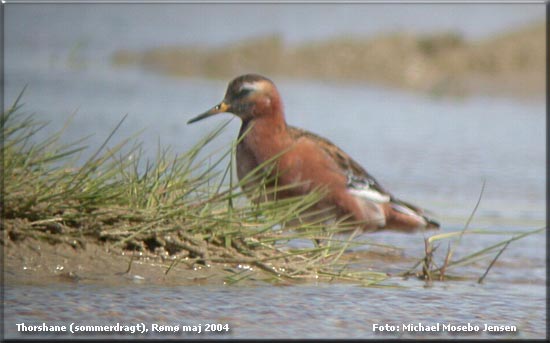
[{"x": 248, "y": 97}]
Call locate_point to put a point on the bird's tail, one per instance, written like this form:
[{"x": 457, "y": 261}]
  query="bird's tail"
[{"x": 405, "y": 217}]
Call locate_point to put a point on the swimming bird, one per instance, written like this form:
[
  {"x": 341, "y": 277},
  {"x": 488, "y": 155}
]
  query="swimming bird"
[{"x": 309, "y": 161}]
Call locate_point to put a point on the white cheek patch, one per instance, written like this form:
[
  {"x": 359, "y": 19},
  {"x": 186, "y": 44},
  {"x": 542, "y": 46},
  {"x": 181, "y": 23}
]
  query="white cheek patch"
[
  {"x": 258, "y": 86},
  {"x": 251, "y": 86}
]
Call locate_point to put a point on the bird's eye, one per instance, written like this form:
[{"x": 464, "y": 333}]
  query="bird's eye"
[{"x": 217, "y": 107}]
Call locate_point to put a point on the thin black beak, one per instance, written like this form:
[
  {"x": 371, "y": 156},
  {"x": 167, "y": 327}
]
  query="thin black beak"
[{"x": 219, "y": 108}]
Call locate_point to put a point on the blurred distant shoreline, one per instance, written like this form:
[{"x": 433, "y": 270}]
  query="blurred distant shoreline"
[{"x": 509, "y": 64}]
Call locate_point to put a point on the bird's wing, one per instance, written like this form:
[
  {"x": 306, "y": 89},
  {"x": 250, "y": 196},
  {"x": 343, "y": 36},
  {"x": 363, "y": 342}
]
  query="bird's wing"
[{"x": 359, "y": 182}]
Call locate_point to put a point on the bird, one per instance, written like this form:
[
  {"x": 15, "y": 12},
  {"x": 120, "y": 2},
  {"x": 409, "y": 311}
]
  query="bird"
[{"x": 305, "y": 161}]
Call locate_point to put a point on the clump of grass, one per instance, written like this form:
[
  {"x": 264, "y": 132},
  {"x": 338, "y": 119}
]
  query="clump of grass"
[
  {"x": 431, "y": 270},
  {"x": 177, "y": 206}
]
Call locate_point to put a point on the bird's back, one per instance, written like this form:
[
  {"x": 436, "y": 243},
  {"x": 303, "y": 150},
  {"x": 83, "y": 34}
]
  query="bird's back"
[{"x": 400, "y": 215}]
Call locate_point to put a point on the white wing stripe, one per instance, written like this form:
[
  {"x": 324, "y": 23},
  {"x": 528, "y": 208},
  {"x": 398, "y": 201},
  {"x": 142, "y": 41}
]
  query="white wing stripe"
[{"x": 370, "y": 194}]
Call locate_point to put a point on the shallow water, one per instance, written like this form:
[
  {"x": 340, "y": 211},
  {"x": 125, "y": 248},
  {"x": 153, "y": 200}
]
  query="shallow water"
[
  {"x": 312, "y": 311},
  {"x": 432, "y": 151}
]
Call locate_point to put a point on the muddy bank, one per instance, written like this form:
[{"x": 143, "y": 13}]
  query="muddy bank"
[
  {"x": 509, "y": 64},
  {"x": 33, "y": 261},
  {"x": 36, "y": 262}
]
